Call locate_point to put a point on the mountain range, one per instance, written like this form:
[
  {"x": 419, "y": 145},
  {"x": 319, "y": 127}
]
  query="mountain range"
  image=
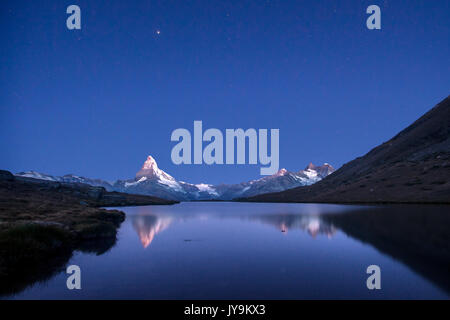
[
  {"x": 151, "y": 180},
  {"x": 412, "y": 167}
]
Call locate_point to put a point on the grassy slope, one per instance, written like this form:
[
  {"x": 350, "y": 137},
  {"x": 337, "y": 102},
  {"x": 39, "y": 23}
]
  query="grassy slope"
[{"x": 41, "y": 223}]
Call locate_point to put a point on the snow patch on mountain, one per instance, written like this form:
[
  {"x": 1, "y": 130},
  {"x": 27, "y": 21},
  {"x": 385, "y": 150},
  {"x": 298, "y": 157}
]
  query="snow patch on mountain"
[
  {"x": 129, "y": 184},
  {"x": 170, "y": 183},
  {"x": 37, "y": 175},
  {"x": 207, "y": 188}
]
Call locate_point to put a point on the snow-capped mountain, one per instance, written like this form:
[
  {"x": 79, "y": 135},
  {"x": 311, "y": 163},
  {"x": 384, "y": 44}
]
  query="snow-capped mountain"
[
  {"x": 37, "y": 175},
  {"x": 282, "y": 180},
  {"x": 151, "y": 180},
  {"x": 70, "y": 178}
]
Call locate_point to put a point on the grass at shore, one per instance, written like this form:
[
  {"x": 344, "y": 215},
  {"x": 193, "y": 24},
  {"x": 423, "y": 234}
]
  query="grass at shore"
[
  {"x": 27, "y": 244},
  {"x": 43, "y": 222},
  {"x": 40, "y": 229},
  {"x": 33, "y": 250}
]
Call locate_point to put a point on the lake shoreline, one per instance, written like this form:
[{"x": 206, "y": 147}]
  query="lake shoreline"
[
  {"x": 43, "y": 222},
  {"x": 259, "y": 250}
]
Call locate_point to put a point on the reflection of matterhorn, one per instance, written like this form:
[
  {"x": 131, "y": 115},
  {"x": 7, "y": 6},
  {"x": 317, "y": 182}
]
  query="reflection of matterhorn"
[{"x": 149, "y": 226}]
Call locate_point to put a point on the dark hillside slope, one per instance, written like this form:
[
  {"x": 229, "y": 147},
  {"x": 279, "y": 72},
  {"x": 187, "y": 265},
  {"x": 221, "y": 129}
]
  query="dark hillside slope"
[{"x": 412, "y": 167}]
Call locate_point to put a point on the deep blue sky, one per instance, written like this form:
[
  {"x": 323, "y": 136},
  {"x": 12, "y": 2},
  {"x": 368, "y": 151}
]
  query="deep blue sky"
[{"x": 96, "y": 102}]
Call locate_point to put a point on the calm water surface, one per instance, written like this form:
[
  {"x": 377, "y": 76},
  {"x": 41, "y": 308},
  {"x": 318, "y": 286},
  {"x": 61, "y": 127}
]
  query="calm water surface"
[{"x": 236, "y": 251}]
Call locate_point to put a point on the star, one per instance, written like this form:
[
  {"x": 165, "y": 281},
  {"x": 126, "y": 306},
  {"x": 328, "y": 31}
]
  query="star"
[{"x": 158, "y": 32}]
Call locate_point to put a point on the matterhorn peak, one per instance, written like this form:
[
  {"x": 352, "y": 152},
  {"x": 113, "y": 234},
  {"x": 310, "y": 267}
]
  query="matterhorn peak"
[
  {"x": 150, "y": 163},
  {"x": 150, "y": 170}
]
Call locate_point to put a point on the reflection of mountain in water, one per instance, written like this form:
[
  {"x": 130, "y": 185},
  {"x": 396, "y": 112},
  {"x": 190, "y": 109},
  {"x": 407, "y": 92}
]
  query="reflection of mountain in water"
[
  {"x": 416, "y": 235},
  {"x": 147, "y": 226},
  {"x": 16, "y": 280},
  {"x": 313, "y": 225}
]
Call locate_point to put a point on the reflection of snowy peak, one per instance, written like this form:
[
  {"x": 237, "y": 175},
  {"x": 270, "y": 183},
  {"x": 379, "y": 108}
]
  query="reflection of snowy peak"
[
  {"x": 150, "y": 180},
  {"x": 148, "y": 226}
]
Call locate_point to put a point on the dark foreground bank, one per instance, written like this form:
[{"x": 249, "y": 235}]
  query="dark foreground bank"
[{"x": 43, "y": 222}]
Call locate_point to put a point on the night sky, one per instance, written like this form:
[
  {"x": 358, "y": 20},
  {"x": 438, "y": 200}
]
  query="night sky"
[{"x": 96, "y": 101}]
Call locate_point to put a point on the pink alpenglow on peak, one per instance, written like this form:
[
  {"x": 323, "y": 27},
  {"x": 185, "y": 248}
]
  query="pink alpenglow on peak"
[
  {"x": 150, "y": 170},
  {"x": 323, "y": 170},
  {"x": 281, "y": 172},
  {"x": 150, "y": 163},
  {"x": 310, "y": 166}
]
